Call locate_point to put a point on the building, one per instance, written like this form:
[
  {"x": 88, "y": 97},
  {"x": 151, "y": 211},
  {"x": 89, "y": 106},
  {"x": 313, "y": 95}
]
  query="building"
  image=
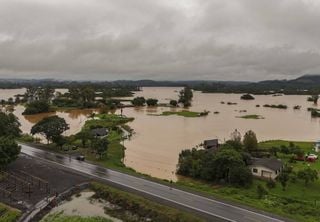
[
  {"x": 317, "y": 146},
  {"x": 100, "y": 132},
  {"x": 268, "y": 168},
  {"x": 211, "y": 144}
]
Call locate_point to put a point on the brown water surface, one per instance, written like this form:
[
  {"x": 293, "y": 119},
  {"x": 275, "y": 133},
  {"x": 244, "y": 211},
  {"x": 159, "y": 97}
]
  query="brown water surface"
[{"x": 158, "y": 140}]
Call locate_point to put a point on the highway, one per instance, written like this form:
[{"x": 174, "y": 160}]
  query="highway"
[{"x": 216, "y": 210}]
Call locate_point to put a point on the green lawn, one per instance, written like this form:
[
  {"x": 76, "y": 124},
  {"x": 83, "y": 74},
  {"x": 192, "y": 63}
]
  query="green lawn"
[{"x": 8, "y": 214}]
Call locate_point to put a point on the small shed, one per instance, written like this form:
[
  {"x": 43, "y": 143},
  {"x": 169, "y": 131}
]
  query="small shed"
[
  {"x": 268, "y": 168},
  {"x": 211, "y": 144},
  {"x": 100, "y": 132}
]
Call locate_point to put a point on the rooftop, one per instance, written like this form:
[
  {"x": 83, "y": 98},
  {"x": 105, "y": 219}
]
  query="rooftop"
[{"x": 271, "y": 163}]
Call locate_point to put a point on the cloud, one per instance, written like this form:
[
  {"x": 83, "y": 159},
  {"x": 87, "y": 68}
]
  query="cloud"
[{"x": 189, "y": 39}]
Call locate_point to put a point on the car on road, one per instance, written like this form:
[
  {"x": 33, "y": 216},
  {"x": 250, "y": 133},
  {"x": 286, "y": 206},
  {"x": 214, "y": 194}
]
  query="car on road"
[{"x": 80, "y": 158}]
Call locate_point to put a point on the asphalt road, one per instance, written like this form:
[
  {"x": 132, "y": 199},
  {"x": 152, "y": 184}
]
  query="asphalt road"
[{"x": 216, "y": 210}]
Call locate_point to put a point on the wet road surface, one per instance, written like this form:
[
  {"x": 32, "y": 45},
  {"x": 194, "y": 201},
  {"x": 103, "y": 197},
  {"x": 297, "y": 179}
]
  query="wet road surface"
[{"x": 216, "y": 210}]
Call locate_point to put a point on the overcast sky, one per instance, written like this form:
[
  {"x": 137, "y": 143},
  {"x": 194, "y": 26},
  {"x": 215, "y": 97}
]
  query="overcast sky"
[{"x": 159, "y": 39}]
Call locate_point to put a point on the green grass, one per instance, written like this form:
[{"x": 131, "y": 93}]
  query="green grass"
[
  {"x": 59, "y": 217},
  {"x": 253, "y": 116},
  {"x": 8, "y": 214},
  {"x": 115, "y": 153},
  {"x": 184, "y": 113},
  {"x": 306, "y": 146},
  {"x": 295, "y": 203},
  {"x": 141, "y": 207},
  {"x": 107, "y": 120}
]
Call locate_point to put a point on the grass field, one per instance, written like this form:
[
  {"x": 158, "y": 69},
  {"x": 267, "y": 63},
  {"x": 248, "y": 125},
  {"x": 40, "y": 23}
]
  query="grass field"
[{"x": 8, "y": 214}]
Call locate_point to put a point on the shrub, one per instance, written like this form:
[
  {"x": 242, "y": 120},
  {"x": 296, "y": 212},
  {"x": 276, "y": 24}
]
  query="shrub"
[
  {"x": 261, "y": 191},
  {"x": 271, "y": 184}
]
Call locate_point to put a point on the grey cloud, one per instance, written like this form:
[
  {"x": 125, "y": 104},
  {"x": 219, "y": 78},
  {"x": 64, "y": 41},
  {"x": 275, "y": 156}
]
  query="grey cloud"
[{"x": 190, "y": 39}]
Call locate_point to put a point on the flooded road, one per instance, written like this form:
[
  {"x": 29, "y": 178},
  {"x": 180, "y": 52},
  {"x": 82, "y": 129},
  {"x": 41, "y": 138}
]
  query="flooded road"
[{"x": 155, "y": 147}]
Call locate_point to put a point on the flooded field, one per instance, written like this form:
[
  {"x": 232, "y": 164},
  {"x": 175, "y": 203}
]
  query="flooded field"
[
  {"x": 158, "y": 140},
  {"x": 75, "y": 118},
  {"x": 155, "y": 147},
  {"x": 83, "y": 205}
]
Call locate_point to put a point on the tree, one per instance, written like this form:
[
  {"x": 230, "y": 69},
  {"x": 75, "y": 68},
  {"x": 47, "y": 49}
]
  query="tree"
[
  {"x": 152, "y": 102},
  {"x": 250, "y": 141},
  {"x": 283, "y": 178},
  {"x": 9, "y": 150},
  {"x": 225, "y": 161},
  {"x": 59, "y": 140},
  {"x": 185, "y": 96},
  {"x": 274, "y": 150},
  {"x": 100, "y": 146},
  {"x": 84, "y": 136},
  {"x": 315, "y": 99},
  {"x": 138, "y": 101},
  {"x": 173, "y": 103},
  {"x": 50, "y": 127},
  {"x": 35, "y": 107},
  {"x": 9, "y": 125},
  {"x": 240, "y": 176},
  {"x": 308, "y": 175},
  {"x": 261, "y": 191}
]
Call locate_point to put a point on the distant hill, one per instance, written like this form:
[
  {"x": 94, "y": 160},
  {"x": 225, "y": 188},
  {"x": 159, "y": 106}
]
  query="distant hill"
[{"x": 306, "y": 84}]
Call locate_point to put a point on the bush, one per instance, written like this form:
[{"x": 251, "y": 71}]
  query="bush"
[
  {"x": 261, "y": 191},
  {"x": 152, "y": 102},
  {"x": 271, "y": 184},
  {"x": 247, "y": 97},
  {"x": 138, "y": 101},
  {"x": 173, "y": 102},
  {"x": 36, "y": 107}
]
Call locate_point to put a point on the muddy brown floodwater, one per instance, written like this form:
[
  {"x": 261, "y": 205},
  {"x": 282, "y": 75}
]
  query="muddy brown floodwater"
[
  {"x": 158, "y": 140},
  {"x": 75, "y": 118}
]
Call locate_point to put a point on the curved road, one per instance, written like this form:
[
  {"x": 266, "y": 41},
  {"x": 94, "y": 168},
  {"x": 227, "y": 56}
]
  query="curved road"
[{"x": 216, "y": 210}]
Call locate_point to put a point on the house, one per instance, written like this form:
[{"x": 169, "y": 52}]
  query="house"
[
  {"x": 211, "y": 144},
  {"x": 317, "y": 146},
  {"x": 100, "y": 132},
  {"x": 268, "y": 168}
]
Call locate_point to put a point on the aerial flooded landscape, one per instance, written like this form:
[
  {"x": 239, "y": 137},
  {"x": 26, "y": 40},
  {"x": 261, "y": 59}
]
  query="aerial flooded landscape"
[{"x": 159, "y": 111}]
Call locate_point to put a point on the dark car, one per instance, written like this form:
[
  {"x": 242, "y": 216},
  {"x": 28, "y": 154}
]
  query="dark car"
[{"x": 81, "y": 158}]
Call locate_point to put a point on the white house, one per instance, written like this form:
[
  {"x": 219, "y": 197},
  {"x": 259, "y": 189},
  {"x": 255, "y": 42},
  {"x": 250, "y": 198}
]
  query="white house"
[
  {"x": 267, "y": 168},
  {"x": 317, "y": 146}
]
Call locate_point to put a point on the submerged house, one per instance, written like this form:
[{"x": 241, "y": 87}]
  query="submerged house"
[
  {"x": 268, "y": 168},
  {"x": 211, "y": 144},
  {"x": 99, "y": 132}
]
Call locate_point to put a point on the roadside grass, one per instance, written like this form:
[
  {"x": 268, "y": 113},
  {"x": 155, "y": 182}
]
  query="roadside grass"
[
  {"x": 253, "y": 116},
  {"x": 8, "y": 214},
  {"x": 295, "y": 202},
  {"x": 142, "y": 208}
]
